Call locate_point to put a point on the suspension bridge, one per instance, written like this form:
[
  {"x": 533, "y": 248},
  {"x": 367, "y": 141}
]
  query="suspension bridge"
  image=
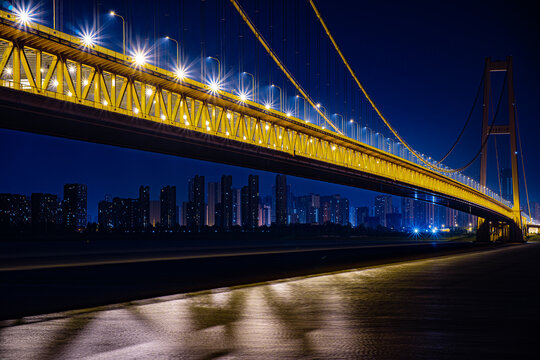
[{"x": 69, "y": 86}]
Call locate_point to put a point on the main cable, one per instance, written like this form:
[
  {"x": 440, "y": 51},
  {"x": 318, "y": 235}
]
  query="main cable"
[
  {"x": 466, "y": 122},
  {"x": 396, "y": 134},
  {"x": 484, "y": 143},
  {"x": 276, "y": 59}
]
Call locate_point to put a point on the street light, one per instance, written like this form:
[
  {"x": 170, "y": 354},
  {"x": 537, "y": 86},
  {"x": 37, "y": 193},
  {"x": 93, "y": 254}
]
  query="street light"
[
  {"x": 295, "y": 108},
  {"x": 113, "y": 13},
  {"x": 219, "y": 67},
  {"x": 353, "y": 123},
  {"x": 177, "y": 46},
  {"x": 241, "y": 94},
  {"x": 25, "y": 15},
  {"x": 252, "y": 85},
  {"x": 88, "y": 38},
  {"x": 140, "y": 57},
  {"x": 341, "y": 116},
  {"x": 214, "y": 86},
  {"x": 280, "y": 97},
  {"x": 320, "y": 106}
]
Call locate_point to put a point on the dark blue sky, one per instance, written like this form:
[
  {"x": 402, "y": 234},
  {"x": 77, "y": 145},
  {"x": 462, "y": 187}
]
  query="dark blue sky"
[{"x": 421, "y": 61}]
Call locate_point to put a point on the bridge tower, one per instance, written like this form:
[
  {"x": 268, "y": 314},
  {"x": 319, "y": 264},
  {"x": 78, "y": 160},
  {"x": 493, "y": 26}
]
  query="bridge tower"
[{"x": 488, "y": 230}]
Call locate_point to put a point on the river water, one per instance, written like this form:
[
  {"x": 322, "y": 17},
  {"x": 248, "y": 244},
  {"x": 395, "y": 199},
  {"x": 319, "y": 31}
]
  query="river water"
[{"x": 459, "y": 306}]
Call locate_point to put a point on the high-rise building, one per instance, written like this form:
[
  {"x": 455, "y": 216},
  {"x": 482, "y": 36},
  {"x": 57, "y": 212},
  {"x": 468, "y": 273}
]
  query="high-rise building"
[
  {"x": 121, "y": 213},
  {"x": 451, "y": 218},
  {"x": 155, "y": 210},
  {"x": 213, "y": 200},
  {"x": 250, "y": 202},
  {"x": 244, "y": 193},
  {"x": 126, "y": 214},
  {"x": 226, "y": 202},
  {"x": 105, "y": 214},
  {"x": 362, "y": 213},
  {"x": 431, "y": 215},
  {"x": 407, "y": 212},
  {"x": 383, "y": 206},
  {"x": 187, "y": 214},
  {"x": 281, "y": 199},
  {"x": 59, "y": 212},
  {"x": 75, "y": 206},
  {"x": 308, "y": 208},
  {"x": 290, "y": 198},
  {"x": 506, "y": 184},
  {"x": 265, "y": 215},
  {"x": 237, "y": 207},
  {"x": 44, "y": 209},
  {"x": 272, "y": 203},
  {"x": 197, "y": 197},
  {"x": 168, "y": 214},
  {"x": 15, "y": 210},
  {"x": 144, "y": 206},
  {"x": 335, "y": 209}
]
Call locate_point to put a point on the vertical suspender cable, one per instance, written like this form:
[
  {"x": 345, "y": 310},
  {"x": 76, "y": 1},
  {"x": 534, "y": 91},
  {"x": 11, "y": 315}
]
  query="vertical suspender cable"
[
  {"x": 496, "y": 155},
  {"x": 375, "y": 108},
  {"x": 278, "y": 62},
  {"x": 284, "y": 51},
  {"x": 498, "y": 171},
  {"x": 522, "y": 162},
  {"x": 202, "y": 38}
]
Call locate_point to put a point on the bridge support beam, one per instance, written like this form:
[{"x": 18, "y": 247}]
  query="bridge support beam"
[
  {"x": 516, "y": 233},
  {"x": 498, "y": 231}
]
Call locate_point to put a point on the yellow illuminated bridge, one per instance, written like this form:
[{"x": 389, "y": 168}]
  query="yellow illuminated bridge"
[{"x": 51, "y": 83}]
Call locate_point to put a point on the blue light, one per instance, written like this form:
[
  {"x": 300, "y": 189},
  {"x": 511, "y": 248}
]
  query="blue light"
[{"x": 416, "y": 231}]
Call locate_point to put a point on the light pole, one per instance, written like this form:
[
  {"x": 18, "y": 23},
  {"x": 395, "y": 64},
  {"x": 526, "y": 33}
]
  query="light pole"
[
  {"x": 353, "y": 123},
  {"x": 280, "y": 97},
  {"x": 112, "y": 13},
  {"x": 321, "y": 107},
  {"x": 341, "y": 116},
  {"x": 177, "y": 46},
  {"x": 304, "y": 103},
  {"x": 219, "y": 67},
  {"x": 252, "y": 85},
  {"x": 54, "y": 14}
]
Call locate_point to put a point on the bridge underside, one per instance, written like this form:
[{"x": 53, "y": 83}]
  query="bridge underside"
[{"x": 32, "y": 113}]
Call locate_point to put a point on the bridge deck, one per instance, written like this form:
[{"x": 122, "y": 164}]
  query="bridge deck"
[{"x": 52, "y": 84}]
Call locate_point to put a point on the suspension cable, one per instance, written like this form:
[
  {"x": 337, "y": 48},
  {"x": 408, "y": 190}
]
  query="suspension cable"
[
  {"x": 278, "y": 62},
  {"x": 522, "y": 162},
  {"x": 484, "y": 143},
  {"x": 466, "y": 122},
  {"x": 396, "y": 134},
  {"x": 498, "y": 171},
  {"x": 496, "y": 152}
]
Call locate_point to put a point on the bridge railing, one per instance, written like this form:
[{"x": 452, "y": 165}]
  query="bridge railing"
[
  {"x": 72, "y": 90},
  {"x": 378, "y": 140}
]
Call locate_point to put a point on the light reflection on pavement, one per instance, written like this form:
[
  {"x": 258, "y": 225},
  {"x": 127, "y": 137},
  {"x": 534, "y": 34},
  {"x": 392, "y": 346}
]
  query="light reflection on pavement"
[{"x": 421, "y": 309}]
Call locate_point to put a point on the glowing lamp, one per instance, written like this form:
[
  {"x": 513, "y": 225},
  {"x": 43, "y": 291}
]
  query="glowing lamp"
[{"x": 214, "y": 86}]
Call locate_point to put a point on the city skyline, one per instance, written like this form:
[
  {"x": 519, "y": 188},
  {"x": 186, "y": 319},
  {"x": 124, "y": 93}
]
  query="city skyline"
[
  {"x": 232, "y": 207},
  {"x": 99, "y": 187},
  {"x": 455, "y": 87}
]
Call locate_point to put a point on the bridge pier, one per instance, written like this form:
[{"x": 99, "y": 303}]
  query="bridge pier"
[{"x": 491, "y": 231}]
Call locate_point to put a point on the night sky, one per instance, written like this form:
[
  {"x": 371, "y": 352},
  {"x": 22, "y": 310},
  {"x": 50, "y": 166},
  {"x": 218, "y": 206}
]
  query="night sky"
[{"x": 421, "y": 61}]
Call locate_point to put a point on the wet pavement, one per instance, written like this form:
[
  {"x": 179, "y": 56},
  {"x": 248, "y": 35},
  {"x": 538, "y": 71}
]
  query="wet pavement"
[{"x": 472, "y": 305}]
